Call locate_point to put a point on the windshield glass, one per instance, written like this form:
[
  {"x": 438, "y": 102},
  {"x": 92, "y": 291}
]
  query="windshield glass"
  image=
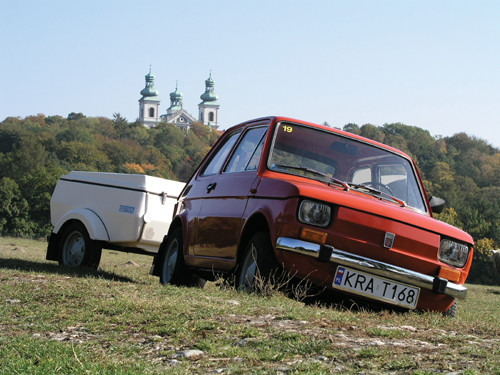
[{"x": 313, "y": 153}]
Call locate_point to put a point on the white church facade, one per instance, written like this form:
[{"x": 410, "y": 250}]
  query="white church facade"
[{"x": 149, "y": 106}]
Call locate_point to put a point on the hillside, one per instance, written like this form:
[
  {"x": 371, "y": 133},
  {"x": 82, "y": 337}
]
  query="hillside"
[
  {"x": 35, "y": 151},
  {"x": 120, "y": 320}
]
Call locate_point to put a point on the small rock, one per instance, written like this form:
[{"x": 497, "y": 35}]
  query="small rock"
[
  {"x": 409, "y": 328},
  {"x": 131, "y": 263},
  {"x": 244, "y": 341},
  {"x": 11, "y": 301},
  {"x": 190, "y": 354},
  {"x": 281, "y": 370},
  {"x": 321, "y": 358},
  {"x": 174, "y": 362}
]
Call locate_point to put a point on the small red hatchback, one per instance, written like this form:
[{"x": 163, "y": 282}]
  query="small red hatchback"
[{"x": 342, "y": 211}]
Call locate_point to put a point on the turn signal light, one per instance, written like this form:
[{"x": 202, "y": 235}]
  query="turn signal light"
[
  {"x": 449, "y": 274},
  {"x": 313, "y": 235}
]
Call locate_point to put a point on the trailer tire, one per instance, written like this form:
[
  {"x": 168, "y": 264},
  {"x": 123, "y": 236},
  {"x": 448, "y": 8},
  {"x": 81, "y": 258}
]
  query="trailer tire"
[
  {"x": 172, "y": 267},
  {"x": 76, "y": 248}
]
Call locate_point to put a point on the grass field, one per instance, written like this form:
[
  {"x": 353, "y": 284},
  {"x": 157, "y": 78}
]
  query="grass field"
[{"x": 120, "y": 320}]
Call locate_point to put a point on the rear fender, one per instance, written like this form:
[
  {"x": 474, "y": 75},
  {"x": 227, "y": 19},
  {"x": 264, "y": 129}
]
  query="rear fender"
[{"x": 93, "y": 223}]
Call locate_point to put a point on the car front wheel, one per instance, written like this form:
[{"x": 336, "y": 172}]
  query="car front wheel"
[{"x": 452, "y": 311}]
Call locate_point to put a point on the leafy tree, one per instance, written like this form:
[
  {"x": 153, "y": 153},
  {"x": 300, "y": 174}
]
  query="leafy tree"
[
  {"x": 482, "y": 271},
  {"x": 75, "y": 116},
  {"x": 372, "y": 132},
  {"x": 352, "y": 128},
  {"x": 82, "y": 156},
  {"x": 14, "y": 218}
]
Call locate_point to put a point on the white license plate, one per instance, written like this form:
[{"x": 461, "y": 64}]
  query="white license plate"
[{"x": 376, "y": 287}]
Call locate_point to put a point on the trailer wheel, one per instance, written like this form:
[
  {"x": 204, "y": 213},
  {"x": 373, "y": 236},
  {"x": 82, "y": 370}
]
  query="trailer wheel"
[
  {"x": 172, "y": 267},
  {"x": 76, "y": 249}
]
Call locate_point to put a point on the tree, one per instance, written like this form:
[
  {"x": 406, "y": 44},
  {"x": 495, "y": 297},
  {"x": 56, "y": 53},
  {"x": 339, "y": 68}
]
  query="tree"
[
  {"x": 75, "y": 116},
  {"x": 352, "y": 128},
  {"x": 14, "y": 220},
  {"x": 372, "y": 132}
]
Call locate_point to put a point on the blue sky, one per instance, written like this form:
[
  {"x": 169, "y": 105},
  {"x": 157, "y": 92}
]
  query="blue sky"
[{"x": 432, "y": 64}]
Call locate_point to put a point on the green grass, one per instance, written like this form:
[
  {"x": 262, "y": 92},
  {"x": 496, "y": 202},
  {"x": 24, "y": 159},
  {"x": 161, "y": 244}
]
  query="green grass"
[{"x": 120, "y": 320}]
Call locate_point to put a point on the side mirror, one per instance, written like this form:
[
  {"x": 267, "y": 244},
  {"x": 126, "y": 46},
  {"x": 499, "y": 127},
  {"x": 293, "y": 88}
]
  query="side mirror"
[{"x": 437, "y": 204}]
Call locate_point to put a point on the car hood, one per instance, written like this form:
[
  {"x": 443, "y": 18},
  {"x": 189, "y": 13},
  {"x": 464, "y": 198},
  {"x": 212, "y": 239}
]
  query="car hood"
[{"x": 292, "y": 187}]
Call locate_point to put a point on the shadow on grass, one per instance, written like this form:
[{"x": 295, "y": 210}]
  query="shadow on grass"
[
  {"x": 342, "y": 302},
  {"x": 32, "y": 266}
]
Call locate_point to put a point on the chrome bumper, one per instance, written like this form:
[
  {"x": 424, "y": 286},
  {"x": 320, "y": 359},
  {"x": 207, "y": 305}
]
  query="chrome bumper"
[{"x": 328, "y": 253}]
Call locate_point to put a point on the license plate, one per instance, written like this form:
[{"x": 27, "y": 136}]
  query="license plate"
[{"x": 376, "y": 287}]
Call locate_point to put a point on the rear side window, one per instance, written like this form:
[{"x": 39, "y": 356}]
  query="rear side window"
[
  {"x": 215, "y": 164},
  {"x": 247, "y": 155}
]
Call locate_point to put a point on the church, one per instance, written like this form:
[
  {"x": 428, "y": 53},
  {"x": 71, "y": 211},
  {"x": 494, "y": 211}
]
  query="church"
[{"x": 149, "y": 106}]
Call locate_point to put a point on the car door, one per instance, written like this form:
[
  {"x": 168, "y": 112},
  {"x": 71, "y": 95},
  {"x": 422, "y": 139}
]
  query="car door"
[
  {"x": 199, "y": 185},
  {"x": 220, "y": 218}
]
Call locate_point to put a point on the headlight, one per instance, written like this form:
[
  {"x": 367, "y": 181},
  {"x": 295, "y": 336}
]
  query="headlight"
[
  {"x": 453, "y": 253},
  {"x": 315, "y": 213}
]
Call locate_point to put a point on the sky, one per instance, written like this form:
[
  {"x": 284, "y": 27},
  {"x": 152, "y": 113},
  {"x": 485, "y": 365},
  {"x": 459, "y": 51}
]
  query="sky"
[{"x": 431, "y": 64}]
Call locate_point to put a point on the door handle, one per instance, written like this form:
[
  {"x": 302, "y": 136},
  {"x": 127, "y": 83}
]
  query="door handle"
[{"x": 211, "y": 187}]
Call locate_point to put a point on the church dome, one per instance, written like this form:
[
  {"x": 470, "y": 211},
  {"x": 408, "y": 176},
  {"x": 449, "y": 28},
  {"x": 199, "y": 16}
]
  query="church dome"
[
  {"x": 176, "y": 95},
  {"x": 209, "y": 82},
  {"x": 149, "y": 90},
  {"x": 209, "y": 95}
]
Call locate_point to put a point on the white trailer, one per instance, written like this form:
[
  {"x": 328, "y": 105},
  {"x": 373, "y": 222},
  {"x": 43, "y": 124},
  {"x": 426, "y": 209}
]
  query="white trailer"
[{"x": 94, "y": 210}]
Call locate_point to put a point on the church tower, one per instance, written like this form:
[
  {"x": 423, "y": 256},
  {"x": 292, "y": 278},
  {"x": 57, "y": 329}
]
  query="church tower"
[
  {"x": 175, "y": 101},
  {"x": 209, "y": 107},
  {"x": 176, "y": 114},
  {"x": 149, "y": 103}
]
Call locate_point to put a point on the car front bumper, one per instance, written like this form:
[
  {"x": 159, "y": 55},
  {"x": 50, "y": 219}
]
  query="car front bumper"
[{"x": 328, "y": 253}]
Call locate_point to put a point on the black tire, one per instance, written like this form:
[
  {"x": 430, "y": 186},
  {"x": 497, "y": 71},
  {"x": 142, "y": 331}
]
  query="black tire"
[
  {"x": 452, "y": 311},
  {"x": 258, "y": 268},
  {"x": 76, "y": 249},
  {"x": 172, "y": 268}
]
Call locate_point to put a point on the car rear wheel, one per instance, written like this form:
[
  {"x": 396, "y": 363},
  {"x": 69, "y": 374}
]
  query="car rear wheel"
[
  {"x": 173, "y": 270},
  {"x": 76, "y": 249},
  {"x": 258, "y": 267}
]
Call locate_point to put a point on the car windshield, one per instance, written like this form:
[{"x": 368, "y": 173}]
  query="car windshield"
[{"x": 350, "y": 164}]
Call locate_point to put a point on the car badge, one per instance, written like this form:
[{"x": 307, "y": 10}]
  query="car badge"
[{"x": 389, "y": 240}]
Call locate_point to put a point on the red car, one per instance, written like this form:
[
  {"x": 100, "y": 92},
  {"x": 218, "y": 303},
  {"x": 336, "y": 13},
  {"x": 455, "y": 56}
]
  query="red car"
[{"x": 342, "y": 211}]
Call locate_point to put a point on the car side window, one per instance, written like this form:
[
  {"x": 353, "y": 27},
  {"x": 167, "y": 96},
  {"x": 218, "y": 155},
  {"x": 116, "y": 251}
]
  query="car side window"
[
  {"x": 247, "y": 154},
  {"x": 361, "y": 175},
  {"x": 220, "y": 156}
]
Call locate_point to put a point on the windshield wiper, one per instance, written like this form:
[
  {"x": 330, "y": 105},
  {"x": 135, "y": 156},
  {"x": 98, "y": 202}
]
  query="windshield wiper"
[
  {"x": 317, "y": 173},
  {"x": 378, "y": 192}
]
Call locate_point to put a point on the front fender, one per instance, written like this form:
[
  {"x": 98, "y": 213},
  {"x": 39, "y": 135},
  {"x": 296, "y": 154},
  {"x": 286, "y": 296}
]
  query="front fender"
[{"x": 93, "y": 223}]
